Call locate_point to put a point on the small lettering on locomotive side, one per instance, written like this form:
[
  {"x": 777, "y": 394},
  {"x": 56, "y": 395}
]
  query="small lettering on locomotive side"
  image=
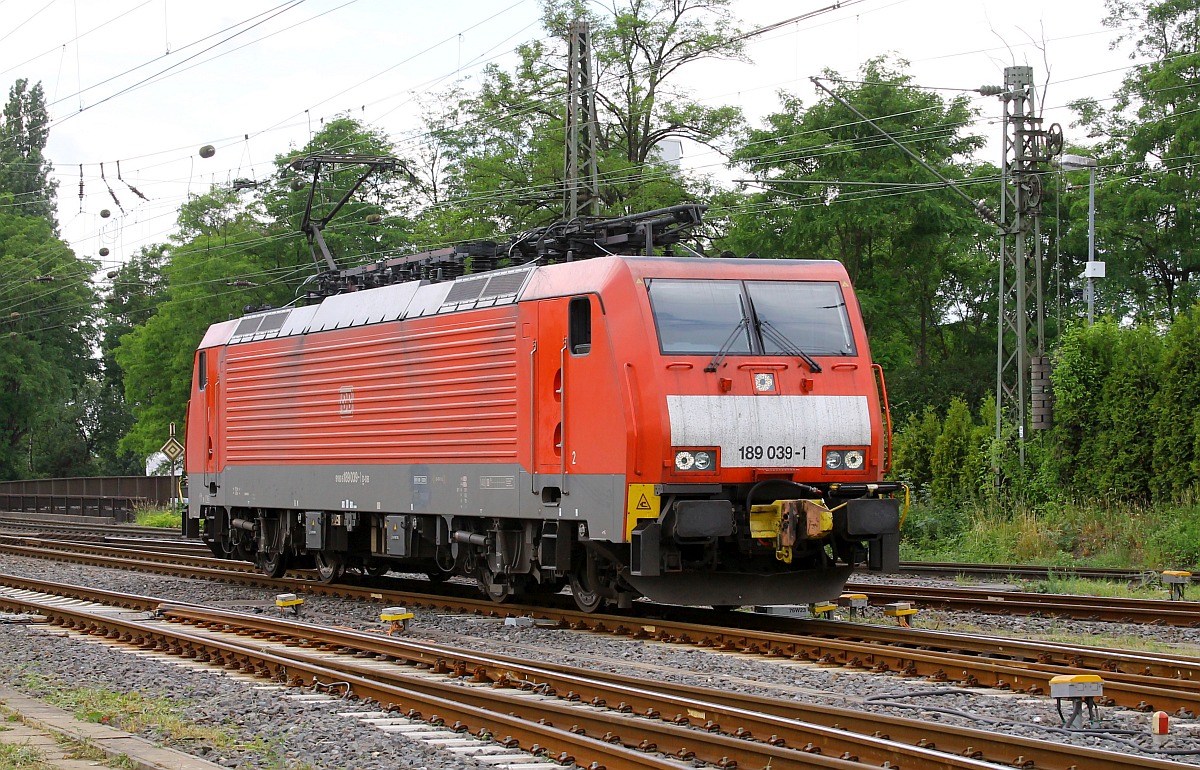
[
  {"x": 497, "y": 482},
  {"x": 351, "y": 477}
]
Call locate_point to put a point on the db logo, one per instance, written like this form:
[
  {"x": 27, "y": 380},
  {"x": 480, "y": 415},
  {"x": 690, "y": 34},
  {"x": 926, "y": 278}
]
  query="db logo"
[{"x": 346, "y": 401}]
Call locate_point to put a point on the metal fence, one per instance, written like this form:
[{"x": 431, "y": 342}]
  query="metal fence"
[{"x": 115, "y": 496}]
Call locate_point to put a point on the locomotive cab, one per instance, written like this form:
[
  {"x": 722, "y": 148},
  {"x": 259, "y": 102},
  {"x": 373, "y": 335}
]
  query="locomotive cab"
[{"x": 754, "y": 433}]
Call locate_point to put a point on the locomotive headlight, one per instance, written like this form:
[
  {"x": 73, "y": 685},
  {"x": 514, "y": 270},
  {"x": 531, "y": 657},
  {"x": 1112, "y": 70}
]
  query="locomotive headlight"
[
  {"x": 833, "y": 459},
  {"x": 695, "y": 460},
  {"x": 854, "y": 459}
]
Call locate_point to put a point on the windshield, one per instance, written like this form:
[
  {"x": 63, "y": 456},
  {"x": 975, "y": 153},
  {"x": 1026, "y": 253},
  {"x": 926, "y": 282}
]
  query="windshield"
[
  {"x": 809, "y": 314},
  {"x": 698, "y": 317}
]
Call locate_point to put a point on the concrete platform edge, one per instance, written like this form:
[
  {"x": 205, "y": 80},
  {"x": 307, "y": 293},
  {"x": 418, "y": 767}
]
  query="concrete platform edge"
[{"x": 114, "y": 743}]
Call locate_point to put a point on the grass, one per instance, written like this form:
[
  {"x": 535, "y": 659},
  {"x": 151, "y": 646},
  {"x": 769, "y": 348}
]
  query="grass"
[
  {"x": 1099, "y": 534},
  {"x": 81, "y": 749},
  {"x": 136, "y": 712},
  {"x": 14, "y": 756},
  {"x": 158, "y": 517},
  {"x": 133, "y": 711}
]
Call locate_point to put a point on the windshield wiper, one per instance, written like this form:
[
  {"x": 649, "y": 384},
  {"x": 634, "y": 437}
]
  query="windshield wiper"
[
  {"x": 768, "y": 331},
  {"x": 727, "y": 346}
]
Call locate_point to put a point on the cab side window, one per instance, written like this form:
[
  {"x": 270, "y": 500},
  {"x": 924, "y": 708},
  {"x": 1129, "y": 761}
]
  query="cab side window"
[
  {"x": 579, "y": 325},
  {"x": 202, "y": 369}
]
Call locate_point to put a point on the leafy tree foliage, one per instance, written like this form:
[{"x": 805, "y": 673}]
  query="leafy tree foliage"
[
  {"x": 24, "y": 171},
  {"x": 950, "y": 466},
  {"x": 45, "y": 350},
  {"x": 1176, "y": 408},
  {"x": 1149, "y": 228},
  {"x": 500, "y": 151},
  {"x": 915, "y": 440},
  {"x": 135, "y": 291},
  {"x": 836, "y": 189}
]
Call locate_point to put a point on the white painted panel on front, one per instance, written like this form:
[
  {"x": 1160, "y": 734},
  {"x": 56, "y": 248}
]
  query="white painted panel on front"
[{"x": 769, "y": 431}]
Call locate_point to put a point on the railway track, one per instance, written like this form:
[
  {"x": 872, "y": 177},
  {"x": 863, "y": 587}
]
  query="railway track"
[
  {"x": 1184, "y": 614},
  {"x": 1142, "y": 680},
  {"x": 1024, "y": 571},
  {"x": 1078, "y": 607},
  {"x": 570, "y": 714},
  {"x": 47, "y": 526}
]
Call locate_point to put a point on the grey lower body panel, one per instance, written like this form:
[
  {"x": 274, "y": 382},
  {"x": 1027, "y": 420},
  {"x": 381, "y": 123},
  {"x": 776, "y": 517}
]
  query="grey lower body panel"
[
  {"x": 736, "y": 588},
  {"x": 501, "y": 491}
]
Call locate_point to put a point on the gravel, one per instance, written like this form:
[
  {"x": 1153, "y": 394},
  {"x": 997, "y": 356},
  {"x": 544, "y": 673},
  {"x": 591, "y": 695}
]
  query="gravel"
[{"x": 273, "y": 730}]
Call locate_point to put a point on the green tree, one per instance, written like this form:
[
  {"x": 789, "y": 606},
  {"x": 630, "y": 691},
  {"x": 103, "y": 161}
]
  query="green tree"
[
  {"x": 834, "y": 188},
  {"x": 1125, "y": 448},
  {"x": 354, "y": 236},
  {"x": 954, "y": 479},
  {"x": 502, "y": 147},
  {"x": 46, "y": 311},
  {"x": 136, "y": 289},
  {"x": 1175, "y": 409},
  {"x": 1082, "y": 365},
  {"x": 1149, "y": 137},
  {"x": 24, "y": 170},
  {"x": 914, "y": 448}
]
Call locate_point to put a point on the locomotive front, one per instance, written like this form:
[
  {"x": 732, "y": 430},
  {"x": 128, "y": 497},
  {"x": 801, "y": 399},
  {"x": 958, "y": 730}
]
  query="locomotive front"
[{"x": 768, "y": 446}]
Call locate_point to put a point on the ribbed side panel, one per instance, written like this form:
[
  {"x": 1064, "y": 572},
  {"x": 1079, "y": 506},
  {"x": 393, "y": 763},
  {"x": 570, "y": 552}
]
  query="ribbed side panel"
[{"x": 438, "y": 390}]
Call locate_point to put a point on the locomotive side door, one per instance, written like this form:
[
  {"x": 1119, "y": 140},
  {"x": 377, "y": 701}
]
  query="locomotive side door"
[
  {"x": 210, "y": 384},
  {"x": 551, "y": 371},
  {"x": 564, "y": 340}
]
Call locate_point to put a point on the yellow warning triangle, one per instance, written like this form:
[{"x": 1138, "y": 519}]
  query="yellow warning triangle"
[{"x": 643, "y": 504}]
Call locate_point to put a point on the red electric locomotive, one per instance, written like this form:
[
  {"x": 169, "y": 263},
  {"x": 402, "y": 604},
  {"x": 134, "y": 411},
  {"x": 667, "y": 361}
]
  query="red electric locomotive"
[{"x": 693, "y": 430}]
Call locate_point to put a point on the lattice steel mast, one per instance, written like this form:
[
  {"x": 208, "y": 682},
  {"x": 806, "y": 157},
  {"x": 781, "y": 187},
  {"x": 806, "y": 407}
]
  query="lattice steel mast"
[
  {"x": 1022, "y": 366},
  {"x": 580, "y": 179}
]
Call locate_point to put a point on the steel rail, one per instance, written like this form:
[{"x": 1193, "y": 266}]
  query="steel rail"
[
  {"x": 809, "y": 640},
  {"x": 488, "y": 712},
  {"x": 1079, "y": 607},
  {"x": 1025, "y": 571},
  {"x": 789, "y": 722}
]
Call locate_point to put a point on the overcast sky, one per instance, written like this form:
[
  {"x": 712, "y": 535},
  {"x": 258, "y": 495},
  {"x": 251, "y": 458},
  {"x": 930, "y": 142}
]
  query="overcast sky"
[{"x": 148, "y": 82}]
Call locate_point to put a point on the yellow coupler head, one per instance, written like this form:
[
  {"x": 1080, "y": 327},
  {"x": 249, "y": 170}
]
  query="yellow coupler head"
[{"x": 787, "y": 521}]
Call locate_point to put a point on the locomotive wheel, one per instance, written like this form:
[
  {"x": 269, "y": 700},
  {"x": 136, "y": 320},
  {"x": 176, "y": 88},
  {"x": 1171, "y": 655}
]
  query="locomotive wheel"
[
  {"x": 493, "y": 589},
  {"x": 438, "y": 577},
  {"x": 273, "y": 564},
  {"x": 330, "y": 567},
  {"x": 587, "y": 598},
  {"x": 376, "y": 570}
]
